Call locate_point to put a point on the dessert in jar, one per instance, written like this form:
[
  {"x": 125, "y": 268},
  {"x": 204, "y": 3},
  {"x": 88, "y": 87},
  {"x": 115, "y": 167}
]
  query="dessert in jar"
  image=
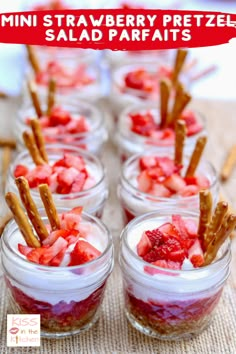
[
  {"x": 137, "y": 83},
  {"x": 145, "y": 125},
  {"x": 64, "y": 120},
  {"x": 75, "y": 177},
  {"x": 166, "y": 177},
  {"x": 174, "y": 271},
  {"x": 59, "y": 269},
  {"x": 80, "y": 80}
]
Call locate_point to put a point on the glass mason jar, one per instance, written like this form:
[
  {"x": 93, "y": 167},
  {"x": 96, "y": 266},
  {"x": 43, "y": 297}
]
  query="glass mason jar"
[
  {"x": 80, "y": 79},
  {"x": 135, "y": 203},
  {"x": 122, "y": 96},
  {"x": 92, "y": 199},
  {"x": 169, "y": 304},
  {"x": 130, "y": 143},
  {"x": 93, "y": 140},
  {"x": 68, "y": 299}
]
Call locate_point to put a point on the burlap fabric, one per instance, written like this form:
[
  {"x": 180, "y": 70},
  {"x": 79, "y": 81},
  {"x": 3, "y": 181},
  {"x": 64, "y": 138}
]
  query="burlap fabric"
[{"x": 112, "y": 334}]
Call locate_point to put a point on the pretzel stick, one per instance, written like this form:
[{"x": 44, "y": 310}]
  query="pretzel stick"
[
  {"x": 39, "y": 139},
  {"x": 4, "y": 222},
  {"x": 180, "y": 135},
  {"x": 35, "y": 99},
  {"x": 165, "y": 95},
  {"x": 49, "y": 206},
  {"x": 30, "y": 207},
  {"x": 216, "y": 221},
  {"x": 179, "y": 63},
  {"x": 51, "y": 95},
  {"x": 196, "y": 156},
  {"x": 6, "y": 160},
  {"x": 33, "y": 150},
  {"x": 11, "y": 143},
  {"x": 184, "y": 100},
  {"x": 21, "y": 220},
  {"x": 33, "y": 59},
  {"x": 221, "y": 235},
  {"x": 205, "y": 212},
  {"x": 229, "y": 164},
  {"x": 178, "y": 94}
]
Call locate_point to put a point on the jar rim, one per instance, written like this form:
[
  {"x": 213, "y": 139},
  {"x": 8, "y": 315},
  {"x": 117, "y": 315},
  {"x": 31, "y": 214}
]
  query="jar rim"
[
  {"x": 135, "y": 157},
  {"x": 55, "y": 269},
  {"x": 152, "y": 106},
  {"x": 78, "y": 104},
  {"x": 81, "y": 152},
  {"x": 138, "y": 220}
]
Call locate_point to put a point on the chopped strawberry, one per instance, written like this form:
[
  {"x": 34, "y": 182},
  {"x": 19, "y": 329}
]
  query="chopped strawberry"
[
  {"x": 20, "y": 170},
  {"x": 70, "y": 220},
  {"x": 162, "y": 264},
  {"x": 134, "y": 79},
  {"x": 144, "y": 245},
  {"x": 24, "y": 249},
  {"x": 59, "y": 117},
  {"x": 74, "y": 161},
  {"x": 78, "y": 183},
  {"x": 167, "y": 165},
  {"x": 179, "y": 223},
  {"x": 56, "y": 261},
  {"x": 175, "y": 183},
  {"x": 194, "y": 129},
  {"x": 147, "y": 162},
  {"x": 83, "y": 252},
  {"x": 40, "y": 174},
  {"x": 77, "y": 210},
  {"x": 170, "y": 229},
  {"x": 143, "y": 124},
  {"x": 52, "y": 251},
  {"x": 54, "y": 235},
  {"x": 203, "y": 182},
  {"x": 144, "y": 182},
  {"x": 188, "y": 191},
  {"x": 190, "y": 180},
  {"x": 195, "y": 254},
  {"x": 156, "y": 173},
  {"x": 155, "y": 237},
  {"x": 35, "y": 254},
  {"x": 158, "y": 190},
  {"x": 67, "y": 176},
  {"x": 191, "y": 228}
]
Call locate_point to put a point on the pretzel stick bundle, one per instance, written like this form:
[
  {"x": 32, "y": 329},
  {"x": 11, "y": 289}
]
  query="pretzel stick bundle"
[
  {"x": 32, "y": 148},
  {"x": 205, "y": 203},
  {"x": 21, "y": 220},
  {"x": 221, "y": 235},
  {"x": 179, "y": 63},
  {"x": 229, "y": 164},
  {"x": 196, "y": 156},
  {"x": 6, "y": 160},
  {"x": 49, "y": 206},
  {"x": 4, "y": 222},
  {"x": 30, "y": 207},
  {"x": 35, "y": 99},
  {"x": 51, "y": 95},
  {"x": 33, "y": 59},
  {"x": 180, "y": 135},
  {"x": 164, "y": 96},
  {"x": 39, "y": 139},
  {"x": 215, "y": 223}
]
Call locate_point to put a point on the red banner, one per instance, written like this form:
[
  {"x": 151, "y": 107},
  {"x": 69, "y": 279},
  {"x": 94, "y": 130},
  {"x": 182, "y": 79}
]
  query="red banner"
[{"x": 118, "y": 29}]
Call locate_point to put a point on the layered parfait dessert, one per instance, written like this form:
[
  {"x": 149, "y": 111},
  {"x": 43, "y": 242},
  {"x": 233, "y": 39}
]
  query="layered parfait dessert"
[
  {"x": 174, "y": 268},
  {"x": 75, "y": 177},
  {"x": 166, "y": 177},
  {"x": 78, "y": 79},
  {"x": 136, "y": 83},
  {"x": 63, "y": 120},
  {"x": 58, "y": 268},
  {"x": 145, "y": 125}
]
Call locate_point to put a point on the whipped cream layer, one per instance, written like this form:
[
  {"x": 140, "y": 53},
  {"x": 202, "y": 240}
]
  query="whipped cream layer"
[{"x": 58, "y": 283}]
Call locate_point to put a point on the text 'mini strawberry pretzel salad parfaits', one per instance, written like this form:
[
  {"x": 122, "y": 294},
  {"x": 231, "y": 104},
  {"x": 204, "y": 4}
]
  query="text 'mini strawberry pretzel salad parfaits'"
[
  {"x": 56, "y": 263},
  {"x": 166, "y": 178},
  {"x": 75, "y": 176},
  {"x": 63, "y": 119},
  {"x": 174, "y": 264},
  {"x": 144, "y": 125}
]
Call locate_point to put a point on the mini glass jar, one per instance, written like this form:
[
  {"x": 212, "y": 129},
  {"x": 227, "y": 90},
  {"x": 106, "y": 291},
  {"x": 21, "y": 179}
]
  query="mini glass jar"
[
  {"x": 68, "y": 299},
  {"x": 92, "y": 199},
  {"x": 93, "y": 140},
  {"x": 122, "y": 96},
  {"x": 164, "y": 303},
  {"x": 135, "y": 203},
  {"x": 130, "y": 143}
]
